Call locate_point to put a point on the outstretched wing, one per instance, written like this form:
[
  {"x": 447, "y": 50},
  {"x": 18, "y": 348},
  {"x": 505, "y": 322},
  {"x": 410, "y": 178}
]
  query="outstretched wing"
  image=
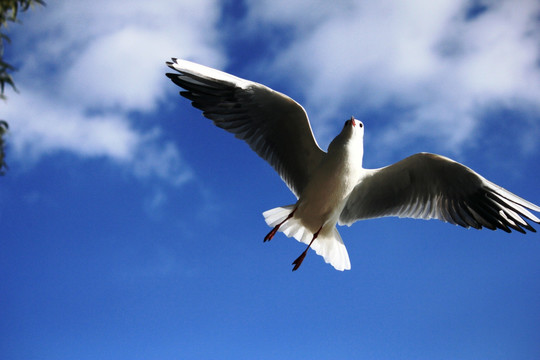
[
  {"x": 429, "y": 186},
  {"x": 274, "y": 125}
]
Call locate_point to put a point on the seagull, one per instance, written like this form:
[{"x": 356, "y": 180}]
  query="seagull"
[{"x": 332, "y": 187}]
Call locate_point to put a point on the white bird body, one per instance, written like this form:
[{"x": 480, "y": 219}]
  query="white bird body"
[
  {"x": 332, "y": 182},
  {"x": 333, "y": 188},
  {"x": 322, "y": 200}
]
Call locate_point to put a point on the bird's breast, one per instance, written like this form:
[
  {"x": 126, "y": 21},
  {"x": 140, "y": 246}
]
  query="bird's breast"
[{"x": 326, "y": 192}]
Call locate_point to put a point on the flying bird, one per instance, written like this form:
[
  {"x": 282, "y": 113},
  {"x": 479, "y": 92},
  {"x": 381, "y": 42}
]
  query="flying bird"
[{"x": 332, "y": 187}]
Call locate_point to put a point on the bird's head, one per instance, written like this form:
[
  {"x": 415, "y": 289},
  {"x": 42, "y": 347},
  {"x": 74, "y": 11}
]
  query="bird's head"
[
  {"x": 353, "y": 130},
  {"x": 354, "y": 127},
  {"x": 352, "y": 135}
]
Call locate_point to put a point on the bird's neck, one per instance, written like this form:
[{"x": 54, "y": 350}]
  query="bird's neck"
[{"x": 350, "y": 150}]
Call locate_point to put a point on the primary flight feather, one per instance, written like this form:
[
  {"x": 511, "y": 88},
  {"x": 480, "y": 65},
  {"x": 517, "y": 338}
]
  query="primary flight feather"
[{"x": 332, "y": 187}]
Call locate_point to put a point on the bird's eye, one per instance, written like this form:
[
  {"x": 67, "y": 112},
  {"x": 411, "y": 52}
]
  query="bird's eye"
[{"x": 360, "y": 124}]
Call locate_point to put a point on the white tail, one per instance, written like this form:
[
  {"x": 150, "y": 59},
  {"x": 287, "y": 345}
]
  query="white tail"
[{"x": 328, "y": 244}]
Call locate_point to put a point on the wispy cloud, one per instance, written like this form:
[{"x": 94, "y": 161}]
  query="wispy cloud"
[
  {"x": 86, "y": 67},
  {"x": 443, "y": 62}
]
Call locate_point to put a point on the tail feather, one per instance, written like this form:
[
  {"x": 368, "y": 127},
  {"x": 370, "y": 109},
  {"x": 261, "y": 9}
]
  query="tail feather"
[
  {"x": 332, "y": 249},
  {"x": 328, "y": 244}
]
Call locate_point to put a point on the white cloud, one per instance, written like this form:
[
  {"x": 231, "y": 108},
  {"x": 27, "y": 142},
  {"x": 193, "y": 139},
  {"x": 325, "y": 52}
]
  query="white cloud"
[
  {"x": 87, "y": 66},
  {"x": 43, "y": 126},
  {"x": 443, "y": 65},
  {"x": 303, "y": 14},
  {"x": 90, "y": 65},
  {"x": 119, "y": 70}
]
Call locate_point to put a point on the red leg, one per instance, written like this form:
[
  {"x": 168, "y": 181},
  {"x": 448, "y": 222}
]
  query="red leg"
[
  {"x": 273, "y": 232},
  {"x": 299, "y": 260}
]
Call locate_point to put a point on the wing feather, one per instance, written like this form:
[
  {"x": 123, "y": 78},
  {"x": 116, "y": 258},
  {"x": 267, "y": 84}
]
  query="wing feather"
[
  {"x": 272, "y": 124},
  {"x": 429, "y": 186}
]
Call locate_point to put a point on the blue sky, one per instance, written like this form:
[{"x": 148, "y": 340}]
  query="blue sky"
[{"x": 132, "y": 227}]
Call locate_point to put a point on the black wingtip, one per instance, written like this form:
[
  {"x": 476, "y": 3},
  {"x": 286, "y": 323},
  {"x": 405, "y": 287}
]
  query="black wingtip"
[{"x": 171, "y": 63}]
